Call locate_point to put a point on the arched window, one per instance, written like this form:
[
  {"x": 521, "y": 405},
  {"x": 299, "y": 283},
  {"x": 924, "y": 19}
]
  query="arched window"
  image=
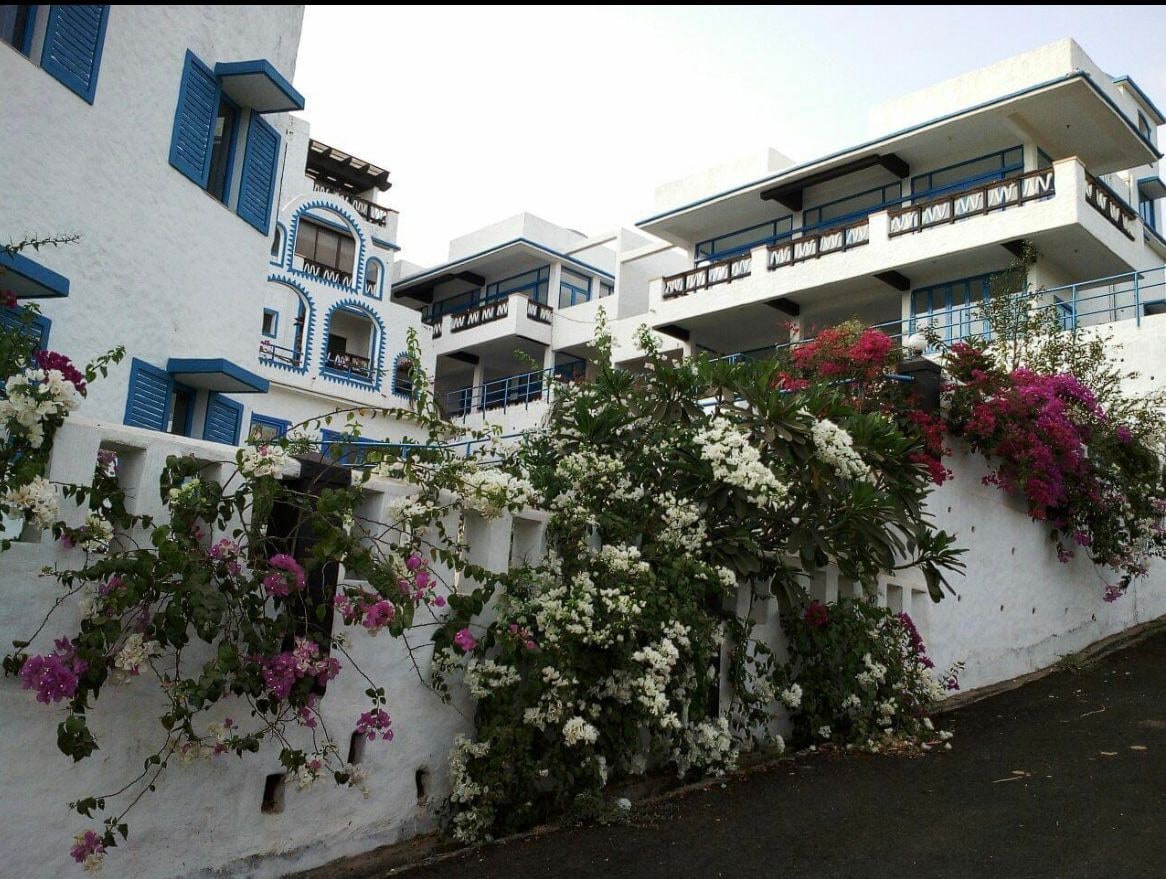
[
  {"x": 354, "y": 344},
  {"x": 402, "y": 376},
  {"x": 277, "y": 244},
  {"x": 327, "y": 253},
  {"x": 372, "y": 278}
]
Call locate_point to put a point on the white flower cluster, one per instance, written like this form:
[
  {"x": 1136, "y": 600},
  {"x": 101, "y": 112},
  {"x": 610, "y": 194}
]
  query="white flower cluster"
[
  {"x": 792, "y": 696},
  {"x": 684, "y": 524},
  {"x": 186, "y": 494},
  {"x": 709, "y": 746},
  {"x": 483, "y": 676},
  {"x": 265, "y": 460},
  {"x": 135, "y": 653},
  {"x": 468, "y": 824},
  {"x": 835, "y": 446},
  {"x": 34, "y": 396},
  {"x": 651, "y": 689},
  {"x": 738, "y": 463},
  {"x": 875, "y": 672},
  {"x": 851, "y": 702},
  {"x": 887, "y": 709},
  {"x": 36, "y": 499},
  {"x": 578, "y": 731},
  {"x": 408, "y": 508},
  {"x": 489, "y": 491},
  {"x": 87, "y": 603},
  {"x": 98, "y": 534}
]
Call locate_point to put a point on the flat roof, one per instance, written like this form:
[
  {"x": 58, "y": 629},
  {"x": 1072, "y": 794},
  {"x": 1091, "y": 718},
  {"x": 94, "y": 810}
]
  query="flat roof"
[{"x": 1074, "y": 93}]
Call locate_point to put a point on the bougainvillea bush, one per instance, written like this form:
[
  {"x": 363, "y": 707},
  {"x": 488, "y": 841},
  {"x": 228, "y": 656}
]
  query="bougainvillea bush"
[
  {"x": 668, "y": 489},
  {"x": 860, "y": 363},
  {"x": 1095, "y": 481},
  {"x": 859, "y": 675}
]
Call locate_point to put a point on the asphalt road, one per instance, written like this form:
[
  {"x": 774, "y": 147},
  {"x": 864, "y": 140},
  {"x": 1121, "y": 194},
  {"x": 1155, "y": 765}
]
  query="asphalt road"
[{"x": 1062, "y": 778}]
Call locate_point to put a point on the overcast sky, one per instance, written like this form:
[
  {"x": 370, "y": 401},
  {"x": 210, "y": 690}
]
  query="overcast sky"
[{"x": 577, "y": 114}]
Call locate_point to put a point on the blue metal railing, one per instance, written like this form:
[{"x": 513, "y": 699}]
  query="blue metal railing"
[
  {"x": 280, "y": 354},
  {"x": 512, "y": 390},
  {"x": 356, "y": 449}
]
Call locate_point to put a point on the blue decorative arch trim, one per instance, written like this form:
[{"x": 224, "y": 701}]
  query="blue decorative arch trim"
[
  {"x": 378, "y": 347},
  {"x": 379, "y": 292},
  {"x": 354, "y": 226},
  {"x": 280, "y": 229},
  {"x": 309, "y": 328},
  {"x": 396, "y": 389}
]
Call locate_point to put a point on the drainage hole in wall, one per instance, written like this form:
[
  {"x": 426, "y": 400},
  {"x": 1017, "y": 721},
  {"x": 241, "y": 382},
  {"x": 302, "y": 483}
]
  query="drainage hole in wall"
[
  {"x": 356, "y": 748},
  {"x": 421, "y": 779},
  {"x": 1001, "y": 608},
  {"x": 273, "y": 787}
]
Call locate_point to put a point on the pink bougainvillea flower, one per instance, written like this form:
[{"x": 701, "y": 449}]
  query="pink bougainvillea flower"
[
  {"x": 465, "y": 640},
  {"x": 816, "y": 614},
  {"x": 85, "y": 846},
  {"x": 277, "y": 583},
  {"x": 378, "y": 615},
  {"x": 414, "y": 561},
  {"x": 373, "y": 722},
  {"x": 55, "y": 675}
]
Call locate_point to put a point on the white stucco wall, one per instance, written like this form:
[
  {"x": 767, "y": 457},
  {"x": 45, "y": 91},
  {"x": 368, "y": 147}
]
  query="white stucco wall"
[
  {"x": 1017, "y": 609},
  {"x": 162, "y": 266}
]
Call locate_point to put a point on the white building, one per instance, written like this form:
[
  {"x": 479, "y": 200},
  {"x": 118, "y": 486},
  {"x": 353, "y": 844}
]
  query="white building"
[
  {"x": 905, "y": 229},
  {"x": 161, "y": 137}
]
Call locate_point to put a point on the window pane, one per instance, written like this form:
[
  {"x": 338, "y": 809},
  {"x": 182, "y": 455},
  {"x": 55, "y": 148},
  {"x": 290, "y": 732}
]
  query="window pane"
[
  {"x": 347, "y": 253},
  {"x": 15, "y": 25},
  {"x": 217, "y": 184},
  {"x": 306, "y": 240}
]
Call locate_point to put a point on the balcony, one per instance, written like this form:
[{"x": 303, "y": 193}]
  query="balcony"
[
  {"x": 324, "y": 272},
  {"x": 1063, "y": 207},
  {"x": 371, "y": 211},
  {"x": 350, "y": 365},
  {"x": 512, "y": 391},
  {"x": 271, "y": 353},
  {"x": 513, "y": 315}
]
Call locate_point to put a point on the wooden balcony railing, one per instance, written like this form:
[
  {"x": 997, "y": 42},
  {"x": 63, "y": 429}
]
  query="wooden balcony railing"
[
  {"x": 1110, "y": 205},
  {"x": 371, "y": 211},
  {"x": 954, "y": 206},
  {"x": 795, "y": 250},
  {"x": 723, "y": 272},
  {"x": 483, "y": 314},
  {"x": 273, "y": 353},
  {"x": 326, "y": 273},
  {"x": 351, "y": 364}
]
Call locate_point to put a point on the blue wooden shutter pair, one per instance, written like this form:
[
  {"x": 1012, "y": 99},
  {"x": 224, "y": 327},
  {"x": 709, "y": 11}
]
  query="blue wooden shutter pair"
[
  {"x": 148, "y": 401},
  {"x": 223, "y": 419},
  {"x": 193, "y": 140},
  {"x": 74, "y": 38}
]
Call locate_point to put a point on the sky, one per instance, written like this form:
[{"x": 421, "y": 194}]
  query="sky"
[{"x": 576, "y": 114}]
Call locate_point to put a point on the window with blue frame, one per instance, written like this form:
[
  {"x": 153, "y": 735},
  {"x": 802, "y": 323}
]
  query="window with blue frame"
[
  {"x": 952, "y": 308},
  {"x": 343, "y": 449},
  {"x": 17, "y": 24},
  {"x": 574, "y": 288},
  {"x": 156, "y": 402},
  {"x": 204, "y": 145},
  {"x": 963, "y": 175},
  {"x": 606, "y": 289},
  {"x": 224, "y": 418},
  {"x": 852, "y": 207},
  {"x": 264, "y": 429},
  {"x": 743, "y": 240},
  {"x": 461, "y": 302},
  {"x": 1147, "y": 209},
  {"x": 1144, "y": 126},
  {"x": 270, "y": 323},
  {"x": 533, "y": 284},
  {"x": 402, "y": 381}
]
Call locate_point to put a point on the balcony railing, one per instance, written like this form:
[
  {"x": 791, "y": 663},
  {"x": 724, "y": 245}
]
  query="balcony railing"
[
  {"x": 371, "y": 211},
  {"x": 723, "y": 272},
  {"x": 961, "y": 204},
  {"x": 513, "y": 390},
  {"x": 326, "y": 273},
  {"x": 272, "y": 353},
  {"x": 795, "y": 250},
  {"x": 436, "y": 330},
  {"x": 536, "y": 311},
  {"x": 1110, "y": 205},
  {"x": 483, "y": 314},
  {"x": 350, "y": 364}
]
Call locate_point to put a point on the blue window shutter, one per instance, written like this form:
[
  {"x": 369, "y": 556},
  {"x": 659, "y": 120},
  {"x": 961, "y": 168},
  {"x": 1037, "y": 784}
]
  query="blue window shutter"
[
  {"x": 73, "y": 41},
  {"x": 148, "y": 401},
  {"x": 37, "y": 328},
  {"x": 223, "y": 418},
  {"x": 194, "y": 121},
  {"x": 257, "y": 186}
]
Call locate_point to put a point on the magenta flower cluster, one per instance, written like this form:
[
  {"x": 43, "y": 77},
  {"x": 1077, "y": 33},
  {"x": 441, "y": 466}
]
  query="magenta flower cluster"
[
  {"x": 282, "y": 671},
  {"x": 55, "y": 675},
  {"x": 86, "y": 845},
  {"x": 286, "y": 576},
  {"x": 373, "y": 723}
]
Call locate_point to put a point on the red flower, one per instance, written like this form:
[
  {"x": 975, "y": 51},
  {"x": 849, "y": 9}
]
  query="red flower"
[{"x": 816, "y": 614}]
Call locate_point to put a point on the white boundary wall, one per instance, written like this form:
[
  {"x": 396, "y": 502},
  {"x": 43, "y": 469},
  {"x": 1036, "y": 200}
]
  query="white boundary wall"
[{"x": 1017, "y": 610}]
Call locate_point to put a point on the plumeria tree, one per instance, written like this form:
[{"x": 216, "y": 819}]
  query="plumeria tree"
[{"x": 669, "y": 489}]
